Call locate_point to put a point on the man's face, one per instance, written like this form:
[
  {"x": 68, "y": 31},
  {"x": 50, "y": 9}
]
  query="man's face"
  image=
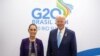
[
  {"x": 32, "y": 31},
  {"x": 60, "y": 22}
]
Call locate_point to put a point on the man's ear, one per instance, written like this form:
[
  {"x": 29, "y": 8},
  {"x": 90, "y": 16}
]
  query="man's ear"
[{"x": 66, "y": 22}]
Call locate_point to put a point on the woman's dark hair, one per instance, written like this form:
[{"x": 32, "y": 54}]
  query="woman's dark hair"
[{"x": 33, "y": 25}]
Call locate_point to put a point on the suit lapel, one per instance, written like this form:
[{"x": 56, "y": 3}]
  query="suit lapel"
[
  {"x": 65, "y": 36},
  {"x": 56, "y": 38}
]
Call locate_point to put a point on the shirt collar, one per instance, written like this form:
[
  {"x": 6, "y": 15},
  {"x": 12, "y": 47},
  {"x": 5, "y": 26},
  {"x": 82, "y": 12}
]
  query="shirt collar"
[{"x": 61, "y": 30}]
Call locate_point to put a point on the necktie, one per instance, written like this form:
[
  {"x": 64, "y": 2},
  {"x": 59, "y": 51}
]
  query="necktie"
[{"x": 59, "y": 38}]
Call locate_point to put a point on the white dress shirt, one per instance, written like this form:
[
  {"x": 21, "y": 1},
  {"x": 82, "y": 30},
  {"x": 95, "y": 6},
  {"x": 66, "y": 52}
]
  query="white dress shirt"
[{"x": 62, "y": 32}]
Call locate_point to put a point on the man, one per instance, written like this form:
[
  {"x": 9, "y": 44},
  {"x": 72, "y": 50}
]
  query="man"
[{"x": 66, "y": 44}]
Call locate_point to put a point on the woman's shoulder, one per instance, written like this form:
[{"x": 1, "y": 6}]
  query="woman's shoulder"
[
  {"x": 38, "y": 40},
  {"x": 25, "y": 39}
]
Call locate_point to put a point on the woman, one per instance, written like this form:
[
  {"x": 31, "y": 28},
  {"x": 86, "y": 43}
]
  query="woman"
[{"x": 31, "y": 46}]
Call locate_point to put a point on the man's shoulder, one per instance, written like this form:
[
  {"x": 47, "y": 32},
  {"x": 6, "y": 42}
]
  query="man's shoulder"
[
  {"x": 53, "y": 30},
  {"x": 69, "y": 30}
]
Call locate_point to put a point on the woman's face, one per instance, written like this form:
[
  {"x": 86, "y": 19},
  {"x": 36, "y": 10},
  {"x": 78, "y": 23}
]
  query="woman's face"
[{"x": 32, "y": 30}]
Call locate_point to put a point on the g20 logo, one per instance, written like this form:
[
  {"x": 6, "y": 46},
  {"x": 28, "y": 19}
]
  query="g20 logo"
[{"x": 45, "y": 13}]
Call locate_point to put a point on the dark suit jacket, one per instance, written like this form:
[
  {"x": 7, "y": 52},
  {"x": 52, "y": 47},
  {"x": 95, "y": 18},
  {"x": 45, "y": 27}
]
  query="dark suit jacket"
[
  {"x": 67, "y": 46},
  {"x": 24, "y": 48}
]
